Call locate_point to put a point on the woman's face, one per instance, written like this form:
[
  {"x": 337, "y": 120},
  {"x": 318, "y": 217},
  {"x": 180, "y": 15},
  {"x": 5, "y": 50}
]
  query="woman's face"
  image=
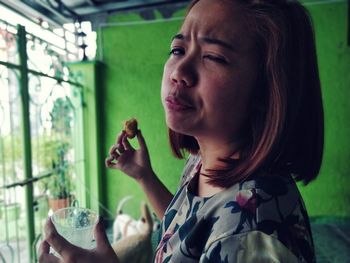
[{"x": 211, "y": 72}]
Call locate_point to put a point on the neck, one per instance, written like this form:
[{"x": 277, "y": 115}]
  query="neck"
[{"x": 212, "y": 150}]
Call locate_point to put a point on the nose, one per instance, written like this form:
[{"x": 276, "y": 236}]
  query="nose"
[{"x": 184, "y": 73}]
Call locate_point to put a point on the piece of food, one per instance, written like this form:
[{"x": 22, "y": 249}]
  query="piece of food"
[{"x": 130, "y": 127}]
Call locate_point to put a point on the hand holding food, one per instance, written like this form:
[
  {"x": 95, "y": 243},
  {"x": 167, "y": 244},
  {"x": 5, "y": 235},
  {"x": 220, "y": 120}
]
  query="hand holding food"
[{"x": 123, "y": 156}]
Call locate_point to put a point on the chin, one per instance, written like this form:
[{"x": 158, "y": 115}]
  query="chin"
[
  {"x": 180, "y": 127},
  {"x": 175, "y": 126}
]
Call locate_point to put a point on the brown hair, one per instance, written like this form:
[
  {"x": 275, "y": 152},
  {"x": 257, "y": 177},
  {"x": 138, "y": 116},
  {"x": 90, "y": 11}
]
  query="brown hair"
[{"x": 286, "y": 120}]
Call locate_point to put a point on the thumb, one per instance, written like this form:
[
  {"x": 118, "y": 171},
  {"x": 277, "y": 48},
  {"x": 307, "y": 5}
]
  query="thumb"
[
  {"x": 100, "y": 235},
  {"x": 141, "y": 140},
  {"x": 56, "y": 241}
]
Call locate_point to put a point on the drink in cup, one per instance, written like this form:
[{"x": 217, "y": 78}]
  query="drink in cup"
[{"x": 76, "y": 225}]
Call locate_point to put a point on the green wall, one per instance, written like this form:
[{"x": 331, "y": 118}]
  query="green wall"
[
  {"x": 134, "y": 57},
  {"x": 91, "y": 170},
  {"x": 329, "y": 194}
]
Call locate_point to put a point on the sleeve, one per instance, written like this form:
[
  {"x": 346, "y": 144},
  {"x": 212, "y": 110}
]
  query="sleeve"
[{"x": 248, "y": 247}]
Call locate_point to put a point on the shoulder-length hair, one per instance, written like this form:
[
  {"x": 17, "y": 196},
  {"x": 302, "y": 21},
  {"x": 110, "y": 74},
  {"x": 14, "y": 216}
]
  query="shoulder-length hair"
[{"x": 286, "y": 130}]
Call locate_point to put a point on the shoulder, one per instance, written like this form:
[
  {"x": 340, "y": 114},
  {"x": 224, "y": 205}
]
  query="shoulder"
[
  {"x": 276, "y": 195},
  {"x": 264, "y": 197},
  {"x": 266, "y": 208},
  {"x": 263, "y": 202}
]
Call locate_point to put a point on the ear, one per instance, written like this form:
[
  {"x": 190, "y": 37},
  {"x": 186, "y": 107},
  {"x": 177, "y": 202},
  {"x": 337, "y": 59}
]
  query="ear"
[
  {"x": 146, "y": 214},
  {"x": 122, "y": 202}
]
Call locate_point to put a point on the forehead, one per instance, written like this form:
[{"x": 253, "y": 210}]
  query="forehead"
[{"x": 223, "y": 19}]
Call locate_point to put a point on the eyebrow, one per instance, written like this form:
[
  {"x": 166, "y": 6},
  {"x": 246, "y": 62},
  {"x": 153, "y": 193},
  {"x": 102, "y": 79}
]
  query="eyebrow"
[{"x": 208, "y": 40}]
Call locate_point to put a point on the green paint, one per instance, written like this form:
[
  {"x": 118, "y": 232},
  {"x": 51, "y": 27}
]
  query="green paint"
[
  {"x": 27, "y": 150},
  {"x": 89, "y": 185},
  {"x": 134, "y": 56},
  {"x": 329, "y": 194}
]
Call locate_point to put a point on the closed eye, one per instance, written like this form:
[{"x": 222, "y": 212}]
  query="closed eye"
[{"x": 218, "y": 59}]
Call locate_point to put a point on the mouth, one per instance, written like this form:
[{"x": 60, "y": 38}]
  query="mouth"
[{"x": 177, "y": 104}]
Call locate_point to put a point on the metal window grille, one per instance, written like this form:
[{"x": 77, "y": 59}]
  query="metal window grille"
[{"x": 40, "y": 136}]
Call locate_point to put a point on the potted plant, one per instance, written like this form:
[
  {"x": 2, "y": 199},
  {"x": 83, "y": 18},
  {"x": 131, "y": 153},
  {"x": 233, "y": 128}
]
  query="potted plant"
[{"x": 60, "y": 185}]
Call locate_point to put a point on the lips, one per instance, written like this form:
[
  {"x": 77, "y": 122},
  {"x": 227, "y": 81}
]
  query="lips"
[{"x": 178, "y": 103}]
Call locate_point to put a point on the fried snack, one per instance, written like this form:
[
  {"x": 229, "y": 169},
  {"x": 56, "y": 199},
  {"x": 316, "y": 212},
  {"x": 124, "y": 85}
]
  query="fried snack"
[{"x": 130, "y": 127}]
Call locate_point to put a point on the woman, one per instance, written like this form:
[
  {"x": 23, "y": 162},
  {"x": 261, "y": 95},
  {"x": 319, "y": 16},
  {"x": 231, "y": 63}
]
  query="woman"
[{"x": 241, "y": 94}]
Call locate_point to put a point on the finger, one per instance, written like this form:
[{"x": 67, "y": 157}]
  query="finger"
[
  {"x": 120, "y": 137},
  {"x": 126, "y": 143},
  {"x": 44, "y": 254},
  {"x": 116, "y": 150},
  {"x": 58, "y": 243},
  {"x": 44, "y": 248},
  {"x": 141, "y": 140},
  {"x": 120, "y": 148},
  {"x": 113, "y": 152},
  {"x": 100, "y": 235},
  {"x": 113, "y": 149},
  {"x": 109, "y": 161},
  {"x": 110, "y": 164},
  {"x": 118, "y": 144},
  {"x": 49, "y": 258}
]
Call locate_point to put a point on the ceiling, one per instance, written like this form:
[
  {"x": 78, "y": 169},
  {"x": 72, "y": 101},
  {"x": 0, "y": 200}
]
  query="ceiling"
[{"x": 59, "y": 12}]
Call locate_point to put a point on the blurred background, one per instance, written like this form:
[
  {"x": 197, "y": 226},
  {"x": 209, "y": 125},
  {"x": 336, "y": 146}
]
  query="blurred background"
[{"x": 71, "y": 71}]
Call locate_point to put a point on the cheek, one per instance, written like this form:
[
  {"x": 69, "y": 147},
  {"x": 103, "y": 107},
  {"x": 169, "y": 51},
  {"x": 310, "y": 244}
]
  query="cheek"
[
  {"x": 228, "y": 97},
  {"x": 224, "y": 105},
  {"x": 222, "y": 92},
  {"x": 165, "y": 83}
]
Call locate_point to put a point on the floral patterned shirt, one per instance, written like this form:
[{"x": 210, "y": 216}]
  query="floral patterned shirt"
[{"x": 260, "y": 220}]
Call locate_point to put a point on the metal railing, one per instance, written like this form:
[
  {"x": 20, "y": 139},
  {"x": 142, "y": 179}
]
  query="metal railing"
[{"x": 39, "y": 113}]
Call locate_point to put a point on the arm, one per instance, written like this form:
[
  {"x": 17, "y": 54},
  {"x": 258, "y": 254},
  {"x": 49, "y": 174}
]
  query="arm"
[
  {"x": 137, "y": 164},
  {"x": 156, "y": 192}
]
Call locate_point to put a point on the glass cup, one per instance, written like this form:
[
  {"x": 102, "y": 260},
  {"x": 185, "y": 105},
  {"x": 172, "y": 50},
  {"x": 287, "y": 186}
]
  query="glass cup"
[{"x": 76, "y": 225}]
